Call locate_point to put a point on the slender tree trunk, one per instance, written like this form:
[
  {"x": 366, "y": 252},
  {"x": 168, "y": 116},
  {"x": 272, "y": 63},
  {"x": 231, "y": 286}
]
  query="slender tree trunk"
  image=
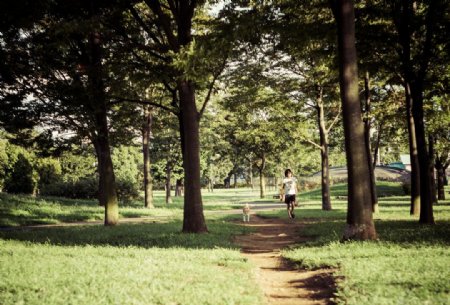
[
  {"x": 431, "y": 169},
  {"x": 360, "y": 223},
  {"x": 426, "y": 188},
  {"x": 262, "y": 184},
  {"x": 415, "y": 169},
  {"x": 251, "y": 176},
  {"x": 194, "y": 220},
  {"x": 373, "y": 189},
  {"x": 377, "y": 145},
  {"x": 262, "y": 178},
  {"x": 326, "y": 202},
  {"x": 107, "y": 189},
  {"x": 441, "y": 178},
  {"x": 235, "y": 179},
  {"x": 148, "y": 183},
  {"x": 168, "y": 183}
]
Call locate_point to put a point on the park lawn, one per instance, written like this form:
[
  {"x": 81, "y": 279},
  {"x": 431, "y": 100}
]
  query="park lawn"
[
  {"x": 408, "y": 265},
  {"x": 16, "y": 210},
  {"x": 128, "y": 264}
]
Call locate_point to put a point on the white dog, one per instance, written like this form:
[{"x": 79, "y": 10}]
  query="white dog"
[{"x": 246, "y": 213}]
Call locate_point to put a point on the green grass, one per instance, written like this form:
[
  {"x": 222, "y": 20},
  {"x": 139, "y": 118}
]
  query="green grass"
[
  {"x": 16, "y": 210},
  {"x": 153, "y": 263},
  {"x": 408, "y": 265},
  {"x": 127, "y": 264}
]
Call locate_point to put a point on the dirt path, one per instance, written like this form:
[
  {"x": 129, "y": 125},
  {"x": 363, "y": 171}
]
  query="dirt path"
[{"x": 281, "y": 283}]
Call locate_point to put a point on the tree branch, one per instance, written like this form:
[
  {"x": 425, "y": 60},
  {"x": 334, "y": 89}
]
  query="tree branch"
[
  {"x": 311, "y": 142},
  {"x": 335, "y": 120},
  {"x": 118, "y": 100},
  {"x": 211, "y": 87},
  {"x": 144, "y": 26},
  {"x": 164, "y": 21}
]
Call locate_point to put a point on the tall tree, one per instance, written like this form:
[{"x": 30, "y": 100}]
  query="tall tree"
[
  {"x": 360, "y": 223},
  {"x": 66, "y": 82}
]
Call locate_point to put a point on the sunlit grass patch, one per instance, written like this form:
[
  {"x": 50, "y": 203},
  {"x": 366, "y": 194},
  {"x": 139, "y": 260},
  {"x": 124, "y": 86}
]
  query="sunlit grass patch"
[
  {"x": 148, "y": 263},
  {"x": 408, "y": 265},
  {"x": 44, "y": 274}
]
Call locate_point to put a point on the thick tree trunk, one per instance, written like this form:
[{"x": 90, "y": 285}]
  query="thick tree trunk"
[
  {"x": 441, "y": 179},
  {"x": 426, "y": 188},
  {"x": 415, "y": 169},
  {"x": 148, "y": 183},
  {"x": 360, "y": 223},
  {"x": 107, "y": 189},
  {"x": 168, "y": 183},
  {"x": 373, "y": 189},
  {"x": 101, "y": 193},
  {"x": 326, "y": 202},
  {"x": 194, "y": 220}
]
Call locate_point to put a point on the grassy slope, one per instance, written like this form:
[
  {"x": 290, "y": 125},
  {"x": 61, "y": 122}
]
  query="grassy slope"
[{"x": 409, "y": 265}]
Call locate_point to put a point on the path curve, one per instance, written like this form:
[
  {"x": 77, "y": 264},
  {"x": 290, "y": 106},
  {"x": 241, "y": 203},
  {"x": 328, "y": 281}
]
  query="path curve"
[{"x": 280, "y": 281}]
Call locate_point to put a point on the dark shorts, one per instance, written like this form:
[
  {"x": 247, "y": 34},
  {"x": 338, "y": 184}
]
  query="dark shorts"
[{"x": 289, "y": 198}]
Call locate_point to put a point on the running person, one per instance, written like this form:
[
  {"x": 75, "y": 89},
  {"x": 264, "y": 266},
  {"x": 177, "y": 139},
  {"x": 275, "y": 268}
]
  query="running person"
[{"x": 290, "y": 189}]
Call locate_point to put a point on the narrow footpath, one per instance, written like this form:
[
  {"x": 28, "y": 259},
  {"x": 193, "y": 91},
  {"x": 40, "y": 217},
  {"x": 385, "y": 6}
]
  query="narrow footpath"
[{"x": 281, "y": 282}]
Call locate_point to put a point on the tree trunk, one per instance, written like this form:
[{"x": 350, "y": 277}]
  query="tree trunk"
[
  {"x": 194, "y": 220},
  {"x": 168, "y": 184},
  {"x": 107, "y": 189},
  {"x": 415, "y": 169},
  {"x": 373, "y": 189},
  {"x": 251, "y": 176},
  {"x": 262, "y": 179},
  {"x": 360, "y": 223},
  {"x": 426, "y": 188},
  {"x": 377, "y": 145},
  {"x": 262, "y": 184},
  {"x": 431, "y": 169},
  {"x": 326, "y": 202},
  {"x": 235, "y": 179},
  {"x": 441, "y": 179},
  {"x": 101, "y": 192},
  {"x": 148, "y": 183}
]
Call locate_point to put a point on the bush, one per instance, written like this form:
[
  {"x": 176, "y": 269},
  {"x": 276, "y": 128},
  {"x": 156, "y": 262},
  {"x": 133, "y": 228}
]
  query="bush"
[
  {"x": 126, "y": 190},
  {"x": 85, "y": 188},
  {"x": 22, "y": 179},
  {"x": 49, "y": 171}
]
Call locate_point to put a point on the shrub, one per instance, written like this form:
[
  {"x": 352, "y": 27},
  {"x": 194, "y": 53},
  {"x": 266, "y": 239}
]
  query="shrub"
[
  {"x": 22, "y": 179},
  {"x": 126, "y": 190},
  {"x": 84, "y": 188}
]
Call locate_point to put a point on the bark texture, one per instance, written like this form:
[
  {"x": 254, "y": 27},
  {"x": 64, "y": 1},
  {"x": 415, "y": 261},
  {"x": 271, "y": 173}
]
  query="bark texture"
[
  {"x": 107, "y": 187},
  {"x": 323, "y": 132},
  {"x": 360, "y": 225},
  {"x": 367, "y": 126},
  {"x": 194, "y": 221},
  {"x": 148, "y": 183}
]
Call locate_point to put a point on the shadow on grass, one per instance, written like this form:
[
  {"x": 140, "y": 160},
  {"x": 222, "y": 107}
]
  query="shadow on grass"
[{"x": 143, "y": 235}]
